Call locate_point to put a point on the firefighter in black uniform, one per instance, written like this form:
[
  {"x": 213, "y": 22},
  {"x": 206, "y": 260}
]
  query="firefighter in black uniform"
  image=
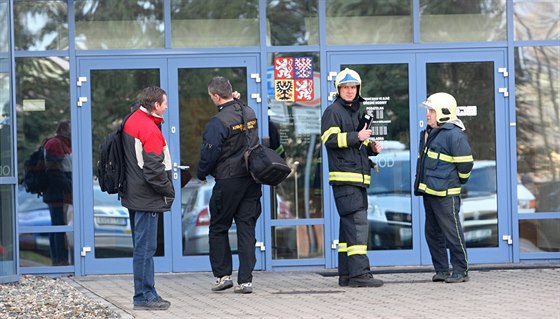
[
  {"x": 348, "y": 147},
  {"x": 445, "y": 162}
]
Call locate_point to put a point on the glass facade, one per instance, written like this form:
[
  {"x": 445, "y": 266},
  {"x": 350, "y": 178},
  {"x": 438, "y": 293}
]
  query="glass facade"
[
  {"x": 367, "y": 22},
  {"x": 8, "y": 246},
  {"x": 294, "y": 45},
  {"x": 462, "y": 21},
  {"x": 210, "y": 24},
  {"x": 131, "y": 24}
]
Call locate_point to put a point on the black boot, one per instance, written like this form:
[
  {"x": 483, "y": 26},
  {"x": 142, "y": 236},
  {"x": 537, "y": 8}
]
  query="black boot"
[{"x": 365, "y": 280}]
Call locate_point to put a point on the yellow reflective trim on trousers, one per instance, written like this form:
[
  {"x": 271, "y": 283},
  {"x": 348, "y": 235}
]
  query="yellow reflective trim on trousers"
[
  {"x": 357, "y": 250},
  {"x": 349, "y": 177},
  {"x": 342, "y": 248},
  {"x": 451, "y": 191},
  {"x": 467, "y": 175},
  {"x": 342, "y": 140},
  {"x": 329, "y": 132}
]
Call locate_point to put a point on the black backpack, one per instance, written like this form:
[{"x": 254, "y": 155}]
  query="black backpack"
[
  {"x": 35, "y": 173},
  {"x": 111, "y": 164}
]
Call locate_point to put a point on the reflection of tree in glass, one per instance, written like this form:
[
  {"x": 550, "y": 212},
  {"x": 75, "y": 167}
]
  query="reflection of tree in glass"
[
  {"x": 40, "y": 79},
  {"x": 196, "y": 108},
  {"x": 538, "y": 115}
]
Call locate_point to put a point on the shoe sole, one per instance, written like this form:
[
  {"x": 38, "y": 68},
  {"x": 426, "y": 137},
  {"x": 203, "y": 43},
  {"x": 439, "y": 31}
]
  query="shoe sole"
[
  {"x": 465, "y": 279},
  {"x": 224, "y": 287},
  {"x": 149, "y": 308},
  {"x": 243, "y": 291},
  {"x": 364, "y": 285}
]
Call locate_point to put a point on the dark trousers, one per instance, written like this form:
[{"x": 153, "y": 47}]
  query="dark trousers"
[
  {"x": 57, "y": 241},
  {"x": 351, "y": 203},
  {"x": 239, "y": 199},
  {"x": 444, "y": 230}
]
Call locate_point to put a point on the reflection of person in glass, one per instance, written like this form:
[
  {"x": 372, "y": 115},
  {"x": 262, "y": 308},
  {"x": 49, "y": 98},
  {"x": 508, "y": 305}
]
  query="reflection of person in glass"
[
  {"x": 58, "y": 195},
  {"x": 235, "y": 194},
  {"x": 445, "y": 162},
  {"x": 348, "y": 147}
]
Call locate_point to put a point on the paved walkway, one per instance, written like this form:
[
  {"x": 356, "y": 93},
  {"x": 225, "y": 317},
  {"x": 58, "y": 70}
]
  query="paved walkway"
[{"x": 491, "y": 293}]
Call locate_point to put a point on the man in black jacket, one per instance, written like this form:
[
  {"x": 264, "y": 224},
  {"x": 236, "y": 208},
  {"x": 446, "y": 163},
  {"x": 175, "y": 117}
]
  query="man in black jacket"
[
  {"x": 348, "y": 148},
  {"x": 235, "y": 194}
]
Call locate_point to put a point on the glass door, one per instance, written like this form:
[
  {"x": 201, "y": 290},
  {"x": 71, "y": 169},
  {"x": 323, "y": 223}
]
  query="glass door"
[
  {"x": 393, "y": 86},
  {"x": 107, "y": 88},
  {"x": 393, "y": 214},
  {"x": 478, "y": 81},
  {"x": 192, "y": 108}
]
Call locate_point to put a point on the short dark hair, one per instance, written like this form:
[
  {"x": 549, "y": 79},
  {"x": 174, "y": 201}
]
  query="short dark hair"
[
  {"x": 221, "y": 86},
  {"x": 150, "y": 95}
]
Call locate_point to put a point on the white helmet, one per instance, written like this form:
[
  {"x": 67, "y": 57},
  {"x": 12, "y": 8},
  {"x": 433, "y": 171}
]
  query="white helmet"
[
  {"x": 445, "y": 106},
  {"x": 348, "y": 77}
]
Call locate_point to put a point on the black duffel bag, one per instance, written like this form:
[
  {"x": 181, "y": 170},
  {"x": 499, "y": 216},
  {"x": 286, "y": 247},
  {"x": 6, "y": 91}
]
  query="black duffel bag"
[{"x": 265, "y": 165}]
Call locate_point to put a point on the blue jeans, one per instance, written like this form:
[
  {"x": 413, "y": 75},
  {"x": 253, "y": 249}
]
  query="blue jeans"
[{"x": 145, "y": 244}]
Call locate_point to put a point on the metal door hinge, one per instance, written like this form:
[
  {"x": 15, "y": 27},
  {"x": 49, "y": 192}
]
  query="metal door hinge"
[
  {"x": 84, "y": 251},
  {"x": 332, "y": 75},
  {"x": 81, "y": 79},
  {"x": 508, "y": 239},
  {"x": 256, "y": 96},
  {"x": 82, "y": 100},
  {"x": 260, "y": 245},
  {"x": 256, "y": 76},
  {"x": 334, "y": 244},
  {"x": 503, "y": 71},
  {"x": 504, "y": 91}
]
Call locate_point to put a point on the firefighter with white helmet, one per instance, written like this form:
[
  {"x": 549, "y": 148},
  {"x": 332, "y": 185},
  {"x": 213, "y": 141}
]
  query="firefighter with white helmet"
[
  {"x": 444, "y": 163},
  {"x": 349, "y": 176}
]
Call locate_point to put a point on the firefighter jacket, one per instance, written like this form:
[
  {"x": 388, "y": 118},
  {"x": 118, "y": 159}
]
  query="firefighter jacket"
[
  {"x": 444, "y": 163},
  {"x": 224, "y": 142},
  {"x": 149, "y": 186},
  {"x": 348, "y": 162}
]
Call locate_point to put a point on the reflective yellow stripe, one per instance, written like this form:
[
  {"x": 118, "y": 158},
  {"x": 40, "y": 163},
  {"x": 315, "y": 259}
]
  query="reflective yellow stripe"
[
  {"x": 357, "y": 250},
  {"x": 280, "y": 149},
  {"x": 467, "y": 175},
  {"x": 342, "y": 140},
  {"x": 446, "y": 158},
  {"x": 342, "y": 248},
  {"x": 451, "y": 191},
  {"x": 329, "y": 132},
  {"x": 449, "y": 158},
  {"x": 349, "y": 177},
  {"x": 463, "y": 159}
]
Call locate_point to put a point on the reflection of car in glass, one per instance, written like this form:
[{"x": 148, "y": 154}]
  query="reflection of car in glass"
[
  {"x": 389, "y": 203},
  {"x": 111, "y": 222},
  {"x": 196, "y": 218}
]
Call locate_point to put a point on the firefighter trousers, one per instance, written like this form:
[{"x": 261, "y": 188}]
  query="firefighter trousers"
[
  {"x": 444, "y": 231},
  {"x": 351, "y": 203}
]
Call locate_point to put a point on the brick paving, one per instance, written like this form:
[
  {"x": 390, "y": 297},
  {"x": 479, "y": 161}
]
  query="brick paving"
[{"x": 497, "y": 293}]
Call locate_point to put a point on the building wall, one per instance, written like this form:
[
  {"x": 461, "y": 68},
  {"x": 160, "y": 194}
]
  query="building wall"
[{"x": 52, "y": 36}]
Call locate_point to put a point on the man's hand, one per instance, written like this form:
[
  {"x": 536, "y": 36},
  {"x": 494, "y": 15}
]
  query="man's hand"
[
  {"x": 364, "y": 134},
  {"x": 236, "y": 95},
  {"x": 376, "y": 147}
]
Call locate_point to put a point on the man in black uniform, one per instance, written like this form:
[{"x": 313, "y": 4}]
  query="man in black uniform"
[
  {"x": 235, "y": 194},
  {"x": 445, "y": 162},
  {"x": 348, "y": 147}
]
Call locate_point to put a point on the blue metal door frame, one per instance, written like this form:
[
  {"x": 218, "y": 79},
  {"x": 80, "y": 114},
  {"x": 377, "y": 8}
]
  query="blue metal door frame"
[
  {"x": 173, "y": 259},
  {"x": 417, "y": 91},
  {"x": 335, "y": 61},
  {"x": 84, "y": 203},
  {"x": 504, "y": 252},
  {"x": 250, "y": 62}
]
